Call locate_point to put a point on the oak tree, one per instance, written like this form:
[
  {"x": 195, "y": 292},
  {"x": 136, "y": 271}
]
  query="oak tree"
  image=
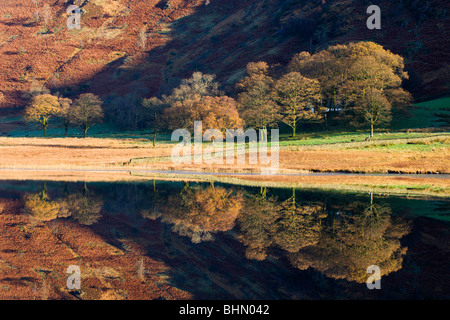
[
  {"x": 41, "y": 109},
  {"x": 65, "y": 113},
  {"x": 215, "y": 113},
  {"x": 87, "y": 111},
  {"x": 299, "y": 99},
  {"x": 256, "y": 105},
  {"x": 198, "y": 86},
  {"x": 347, "y": 72}
]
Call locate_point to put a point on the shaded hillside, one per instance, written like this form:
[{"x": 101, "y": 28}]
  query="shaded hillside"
[{"x": 107, "y": 57}]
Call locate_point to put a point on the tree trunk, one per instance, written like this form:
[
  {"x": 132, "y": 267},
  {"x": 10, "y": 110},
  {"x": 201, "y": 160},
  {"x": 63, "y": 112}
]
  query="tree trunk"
[
  {"x": 293, "y": 203},
  {"x": 45, "y": 130},
  {"x": 334, "y": 100},
  {"x": 44, "y": 192},
  {"x": 371, "y": 130},
  {"x": 85, "y": 132},
  {"x": 85, "y": 190},
  {"x": 66, "y": 129},
  {"x": 263, "y": 137},
  {"x": 66, "y": 189}
]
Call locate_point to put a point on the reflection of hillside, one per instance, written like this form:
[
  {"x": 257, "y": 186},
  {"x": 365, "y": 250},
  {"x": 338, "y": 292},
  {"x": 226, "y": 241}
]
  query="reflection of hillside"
[
  {"x": 340, "y": 242},
  {"x": 126, "y": 255}
]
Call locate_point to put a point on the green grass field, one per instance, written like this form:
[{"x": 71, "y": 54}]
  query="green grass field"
[{"x": 425, "y": 115}]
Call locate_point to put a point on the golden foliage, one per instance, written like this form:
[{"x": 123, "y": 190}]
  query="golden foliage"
[
  {"x": 256, "y": 104},
  {"x": 214, "y": 112},
  {"x": 348, "y": 72},
  {"x": 368, "y": 235},
  {"x": 42, "y": 108},
  {"x": 299, "y": 98},
  {"x": 42, "y": 208},
  {"x": 197, "y": 212}
]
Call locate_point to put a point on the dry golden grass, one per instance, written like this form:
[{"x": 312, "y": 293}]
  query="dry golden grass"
[
  {"x": 94, "y": 153},
  {"x": 72, "y": 153},
  {"x": 382, "y": 184},
  {"x": 368, "y": 161},
  {"x": 94, "y": 159}
]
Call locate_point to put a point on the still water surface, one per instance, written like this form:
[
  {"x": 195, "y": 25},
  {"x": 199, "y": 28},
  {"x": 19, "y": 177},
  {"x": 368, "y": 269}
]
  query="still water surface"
[{"x": 178, "y": 240}]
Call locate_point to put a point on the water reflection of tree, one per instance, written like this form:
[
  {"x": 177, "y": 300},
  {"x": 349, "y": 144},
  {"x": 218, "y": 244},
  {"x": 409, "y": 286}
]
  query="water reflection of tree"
[
  {"x": 340, "y": 241},
  {"x": 257, "y": 223},
  {"x": 198, "y": 212},
  {"x": 361, "y": 235},
  {"x": 85, "y": 207},
  {"x": 82, "y": 206},
  {"x": 41, "y": 207},
  {"x": 298, "y": 225},
  {"x": 289, "y": 225}
]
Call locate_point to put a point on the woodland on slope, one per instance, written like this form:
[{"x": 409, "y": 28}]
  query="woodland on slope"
[{"x": 145, "y": 48}]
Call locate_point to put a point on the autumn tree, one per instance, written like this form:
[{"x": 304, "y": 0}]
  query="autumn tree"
[
  {"x": 374, "y": 109},
  {"x": 41, "y": 109},
  {"x": 347, "y": 72},
  {"x": 374, "y": 84},
  {"x": 214, "y": 112},
  {"x": 198, "y": 86},
  {"x": 182, "y": 107},
  {"x": 289, "y": 225},
  {"x": 87, "y": 111},
  {"x": 85, "y": 207},
  {"x": 257, "y": 223},
  {"x": 299, "y": 99},
  {"x": 154, "y": 108},
  {"x": 65, "y": 113},
  {"x": 256, "y": 105},
  {"x": 298, "y": 225},
  {"x": 220, "y": 113},
  {"x": 35, "y": 89},
  {"x": 363, "y": 234},
  {"x": 327, "y": 66}
]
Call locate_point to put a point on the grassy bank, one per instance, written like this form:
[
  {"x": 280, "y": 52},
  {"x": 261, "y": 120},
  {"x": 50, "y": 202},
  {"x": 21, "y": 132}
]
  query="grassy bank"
[
  {"x": 392, "y": 153},
  {"x": 423, "y": 148}
]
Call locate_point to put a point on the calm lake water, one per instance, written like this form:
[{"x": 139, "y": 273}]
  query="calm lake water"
[{"x": 167, "y": 240}]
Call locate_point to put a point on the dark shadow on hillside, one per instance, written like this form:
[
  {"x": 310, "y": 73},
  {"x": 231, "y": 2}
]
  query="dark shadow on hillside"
[
  {"x": 190, "y": 42},
  {"x": 206, "y": 41}
]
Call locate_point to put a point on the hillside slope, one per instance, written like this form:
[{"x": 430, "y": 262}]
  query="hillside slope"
[{"x": 219, "y": 37}]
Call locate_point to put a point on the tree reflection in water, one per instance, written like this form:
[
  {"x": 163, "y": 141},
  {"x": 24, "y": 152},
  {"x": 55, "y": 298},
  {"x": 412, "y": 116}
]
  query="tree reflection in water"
[
  {"x": 82, "y": 206},
  {"x": 198, "y": 212},
  {"x": 339, "y": 239},
  {"x": 42, "y": 208}
]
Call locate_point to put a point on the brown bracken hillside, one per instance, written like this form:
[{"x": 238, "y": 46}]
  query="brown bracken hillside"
[{"x": 107, "y": 57}]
